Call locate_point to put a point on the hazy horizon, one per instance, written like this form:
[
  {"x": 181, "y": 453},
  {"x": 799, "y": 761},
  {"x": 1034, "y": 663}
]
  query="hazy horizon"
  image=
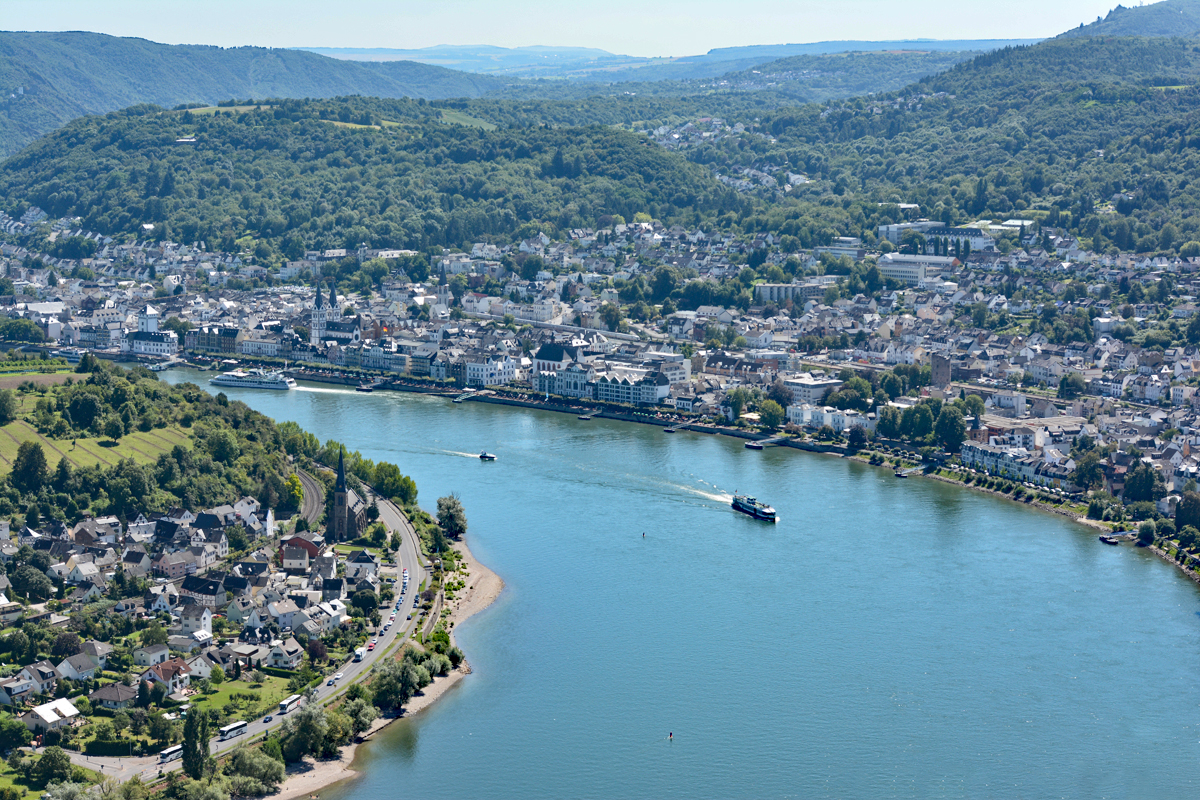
[{"x": 670, "y": 28}]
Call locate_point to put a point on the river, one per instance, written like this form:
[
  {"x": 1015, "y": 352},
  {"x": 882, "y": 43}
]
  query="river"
[{"x": 886, "y": 638}]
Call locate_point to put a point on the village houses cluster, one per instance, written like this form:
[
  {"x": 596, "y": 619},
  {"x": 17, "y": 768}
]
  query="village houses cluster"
[{"x": 266, "y": 597}]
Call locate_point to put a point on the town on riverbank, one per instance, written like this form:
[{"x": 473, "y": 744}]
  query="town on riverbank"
[
  {"x": 151, "y": 638},
  {"x": 1005, "y": 347}
]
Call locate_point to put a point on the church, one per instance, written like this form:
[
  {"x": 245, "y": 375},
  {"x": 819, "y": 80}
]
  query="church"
[
  {"x": 348, "y": 516},
  {"x": 328, "y": 324}
]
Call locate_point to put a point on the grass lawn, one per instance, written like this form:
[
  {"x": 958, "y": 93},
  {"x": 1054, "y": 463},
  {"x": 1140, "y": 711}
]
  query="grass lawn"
[
  {"x": 347, "y": 549},
  {"x": 268, "y": 695},
  {"x": 143, "y": 447},
  {"x": 455, "y": 117}
]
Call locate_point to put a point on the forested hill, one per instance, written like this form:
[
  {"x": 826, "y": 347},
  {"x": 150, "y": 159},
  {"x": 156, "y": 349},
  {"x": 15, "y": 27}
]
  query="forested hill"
[
  {"x": 48, "y": 79},
  {"x": 1168, "y": 18},
  {"x": 1100, "y": 136},
  {"x": 302, "y": 174}
]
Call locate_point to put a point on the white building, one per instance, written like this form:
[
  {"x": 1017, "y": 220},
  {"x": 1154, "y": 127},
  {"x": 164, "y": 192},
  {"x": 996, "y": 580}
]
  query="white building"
[{"x": 810, "y": 389}]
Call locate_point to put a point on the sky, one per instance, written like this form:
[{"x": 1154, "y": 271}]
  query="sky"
[{"x": 628, "y": 27}]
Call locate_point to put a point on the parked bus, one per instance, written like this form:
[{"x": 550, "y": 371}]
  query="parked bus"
[
  {"x": 170, "y": 754},
  {"x": 359, "y": 654},
  {"x": 288, "y": 704},
  {"x": 234, "y": 729}
]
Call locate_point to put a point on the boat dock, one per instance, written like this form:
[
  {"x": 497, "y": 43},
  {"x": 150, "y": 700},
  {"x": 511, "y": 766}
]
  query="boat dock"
[
  {"x": 759, "y": 444},
  {"x": 586, "y": 417},
  {"x": 683, "y": 426}
]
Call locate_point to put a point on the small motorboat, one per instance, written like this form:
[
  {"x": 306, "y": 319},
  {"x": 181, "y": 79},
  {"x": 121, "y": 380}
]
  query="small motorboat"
[
  {"x": 365, "y": 387},
  {"x": 901, "y": 474},
  {"x": 1110, "y": 540},
  {"x": 486, "y": 456}
]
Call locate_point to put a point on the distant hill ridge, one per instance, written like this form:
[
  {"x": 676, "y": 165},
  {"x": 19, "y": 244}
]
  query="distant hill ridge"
[
  {"x": 48, "y": 79},
  {"x": 1168, "y": 18}
]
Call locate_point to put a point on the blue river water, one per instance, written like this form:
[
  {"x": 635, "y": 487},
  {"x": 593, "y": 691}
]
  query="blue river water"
[{"x": 885, "y": 639}]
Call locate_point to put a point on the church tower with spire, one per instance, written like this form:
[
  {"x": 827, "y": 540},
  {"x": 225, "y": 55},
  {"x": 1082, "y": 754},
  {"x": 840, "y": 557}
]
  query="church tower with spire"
[
  {"x": 320, "y": 317},
  {"x": 348, "y": 517}
]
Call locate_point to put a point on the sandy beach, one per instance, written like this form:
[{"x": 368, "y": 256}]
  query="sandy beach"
[{"x": 310, "y": 777}]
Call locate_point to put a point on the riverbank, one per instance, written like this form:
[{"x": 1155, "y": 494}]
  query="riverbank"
[{"x": 310, "y": 777}]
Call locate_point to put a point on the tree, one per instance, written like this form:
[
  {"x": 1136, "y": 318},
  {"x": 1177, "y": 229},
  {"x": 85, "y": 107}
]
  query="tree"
[
  {"x": 1143, "y": 484},
  {"x": 857, "y": 438},
  {"x": 950, "y": 429},
  {"x": 974, "y": 406},
  {"x": 451, "y": 517},
  {"x": 917, "y": 421},
  {"x": 304, "y": 732},
  {"x": 195, "y": 744},
  {"x": 377, "y": 534},
  {"x": 8, "y": 406},
  {"x": 254, "y": 771},
  {"x": 66, "y": 644},
  {"x": 888, "y": 425},
  {"x": 31, "y": 582},
  {"x": 1071, "y": 386},
  {"x": 161, "y": 729},
  {"x": 54, "y": 766},
  {"x": 389, "y": 482},
  {"x": 317, "y": 650},
  {"x": 780, "y": 393},
  {"x": 361, "y": 713},
  {"x": 114, "y": 428},
  {"x": 217, "y": 676},
  {"x": 120, "y": 722},
  {"x": 154, "y": 634},
  {"x": 1146, "y": 532},
  {"x": 1088, "y": 472},
  {"x": 143, "y": 695},
  {"x": 366, "y": 600},
  {"x": 29, "y": 471},
  {"x": 1188, "y": 511},
  {"x": 13, "y": 733},
  {"x": 293, "y": 491},
  {"x": 771, "y": 414}
]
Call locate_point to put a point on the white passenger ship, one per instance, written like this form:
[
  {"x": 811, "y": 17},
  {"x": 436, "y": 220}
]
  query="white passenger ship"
[{"x": 254, "y": 379}]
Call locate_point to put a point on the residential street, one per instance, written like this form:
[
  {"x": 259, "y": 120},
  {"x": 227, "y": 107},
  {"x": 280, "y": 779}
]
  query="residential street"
[{"x": 408, "y": 556}]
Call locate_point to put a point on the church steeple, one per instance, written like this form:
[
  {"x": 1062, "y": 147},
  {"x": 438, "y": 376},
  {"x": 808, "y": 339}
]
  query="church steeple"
[
  {"x": 341, "y": 473},
  {"x": 333, "y": 297},
  {"x": 318, "y": 295}
]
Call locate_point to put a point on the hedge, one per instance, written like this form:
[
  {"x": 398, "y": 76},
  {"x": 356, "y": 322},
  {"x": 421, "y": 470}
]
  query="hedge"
[{"x": 111, "y": 747}]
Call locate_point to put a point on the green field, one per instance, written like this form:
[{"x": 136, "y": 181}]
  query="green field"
[
  {"x": 215, "y": 109},
  {"x": 143, "y": 447},
  {"x": 454, "y": 117},
  {"x": 267, "y": 697}
]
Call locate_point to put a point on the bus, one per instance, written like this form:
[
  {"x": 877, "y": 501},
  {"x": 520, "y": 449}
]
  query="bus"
[
  {"x": 170, "y": 754},
  {"x": 359, "y": 654},
  {"x": 288, "y": 704},
  {"x": 233, "y": 729}
]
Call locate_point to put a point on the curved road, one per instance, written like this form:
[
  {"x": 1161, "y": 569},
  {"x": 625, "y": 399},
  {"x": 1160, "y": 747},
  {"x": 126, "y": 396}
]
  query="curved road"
[{"x": 408, "y": 556}]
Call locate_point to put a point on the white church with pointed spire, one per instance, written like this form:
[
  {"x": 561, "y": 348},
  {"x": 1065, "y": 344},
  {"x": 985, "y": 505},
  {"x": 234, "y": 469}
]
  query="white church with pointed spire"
[{"x": 322, "y": 314}]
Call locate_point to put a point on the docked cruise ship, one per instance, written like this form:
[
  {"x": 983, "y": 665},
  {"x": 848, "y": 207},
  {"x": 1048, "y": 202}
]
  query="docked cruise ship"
[{"x": 254, "y": 379}]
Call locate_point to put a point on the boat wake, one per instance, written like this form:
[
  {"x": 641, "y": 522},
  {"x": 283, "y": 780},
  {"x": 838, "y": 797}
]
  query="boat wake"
[
  {"x": 457, "y": 453},
  {"x": 717, "y": 495}
]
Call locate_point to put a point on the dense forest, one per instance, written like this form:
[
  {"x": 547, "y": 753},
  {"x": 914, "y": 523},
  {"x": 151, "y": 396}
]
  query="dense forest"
[
  {"x": 292, "y": 180},
  {"x": 1097, "y": 137}
]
